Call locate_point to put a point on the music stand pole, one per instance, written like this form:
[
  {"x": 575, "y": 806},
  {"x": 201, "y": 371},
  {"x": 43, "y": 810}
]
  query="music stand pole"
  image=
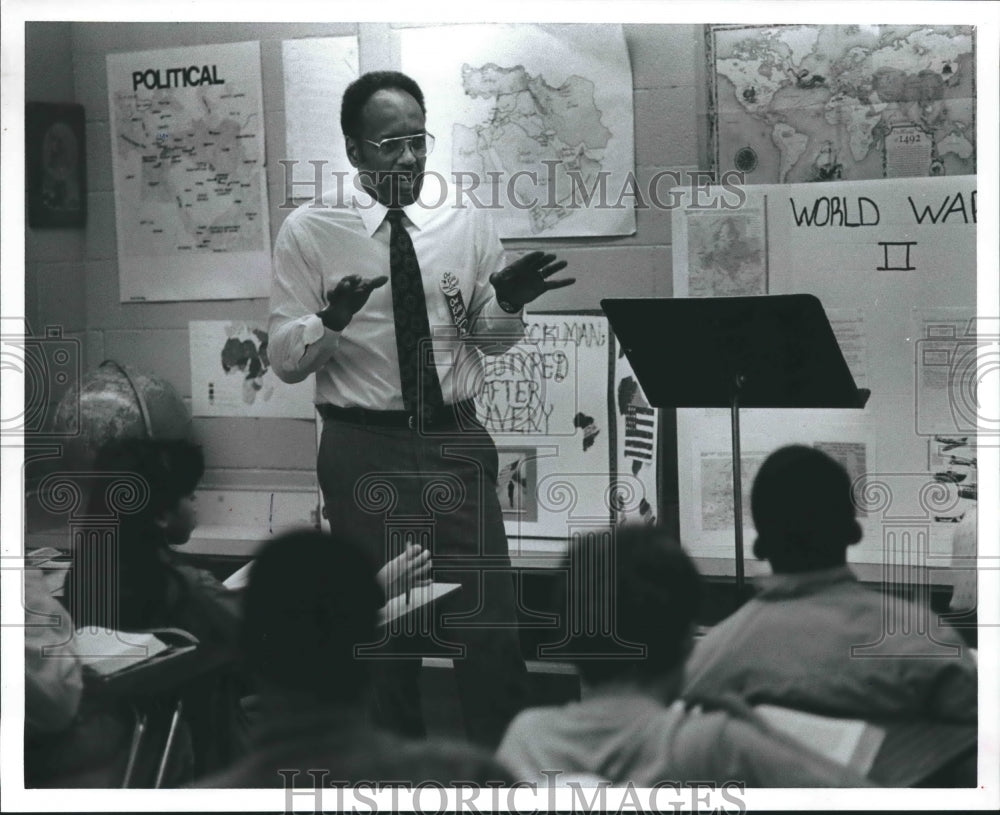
[{"x": 734, "y": 407}]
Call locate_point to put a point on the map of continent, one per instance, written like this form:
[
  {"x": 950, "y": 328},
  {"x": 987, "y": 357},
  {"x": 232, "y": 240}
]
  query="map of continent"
[
  {"x": 726, "y": 254},
  {"x": 190, "y": 171},
  {"x": 244, "y": 355},
  {"x": 802, "y": 103},
  {"x": 556, "y": 135}
]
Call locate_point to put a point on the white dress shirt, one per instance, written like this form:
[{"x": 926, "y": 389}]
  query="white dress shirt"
[{"x": 318, "y": 245}]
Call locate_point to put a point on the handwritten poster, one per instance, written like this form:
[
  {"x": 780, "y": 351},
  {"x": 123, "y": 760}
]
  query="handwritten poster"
[
  {"x": 546, "y": 404},
  {"x": 894, "y": 265}
]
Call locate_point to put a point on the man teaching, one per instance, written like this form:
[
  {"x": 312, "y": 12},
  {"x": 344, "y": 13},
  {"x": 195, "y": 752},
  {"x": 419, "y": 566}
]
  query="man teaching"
[{"x": 402, "y": 457}]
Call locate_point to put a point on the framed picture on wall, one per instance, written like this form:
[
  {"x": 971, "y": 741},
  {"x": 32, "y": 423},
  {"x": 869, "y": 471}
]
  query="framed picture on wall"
[{"x": 56, "y": 165}]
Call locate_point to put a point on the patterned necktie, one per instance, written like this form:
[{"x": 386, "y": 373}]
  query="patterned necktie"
[{"x": 417, "y": 374}]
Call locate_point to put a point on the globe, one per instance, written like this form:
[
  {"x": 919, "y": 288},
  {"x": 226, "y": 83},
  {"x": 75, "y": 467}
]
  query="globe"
[{"x": 114, "y": 402}]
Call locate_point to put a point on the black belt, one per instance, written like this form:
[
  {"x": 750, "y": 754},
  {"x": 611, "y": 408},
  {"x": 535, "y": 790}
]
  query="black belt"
[{"x": 459, "y": 414}]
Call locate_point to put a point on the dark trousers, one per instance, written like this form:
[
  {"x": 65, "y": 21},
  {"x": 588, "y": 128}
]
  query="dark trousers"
[{"x": 384, "y": 486}]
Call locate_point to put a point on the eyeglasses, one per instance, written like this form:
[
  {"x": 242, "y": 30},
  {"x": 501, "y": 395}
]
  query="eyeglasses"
[{"x": 420, "y": 145}]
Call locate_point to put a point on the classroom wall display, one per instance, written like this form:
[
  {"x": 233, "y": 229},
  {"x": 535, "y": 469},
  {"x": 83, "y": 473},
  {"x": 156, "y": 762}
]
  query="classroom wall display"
[
  {"x": 187, "y": 144},
  {"x": 894, "y": 265},
  {"x": 535, "y": 121},
  {"x": 231, "y": 374},
  {"x": 637, "y": 446},
  {"x": 317, "y": 71},
  {"x": 794, "y": 103},
  {"x": 575, "y": 436}
]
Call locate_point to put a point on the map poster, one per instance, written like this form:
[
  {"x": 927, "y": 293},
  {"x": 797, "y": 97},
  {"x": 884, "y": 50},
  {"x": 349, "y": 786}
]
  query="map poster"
[
  {"x": 795, "y": 103},
  {"x": 546, "y": 404},
  {"x": 727, "y": 253},
  {"x": 231, "y": 374},
  {"x": 715, "y": 476},
  {"x": 534, "y": 121},
  {"x": 317, "y": 71},
  {"x": 187, "y": 149}
]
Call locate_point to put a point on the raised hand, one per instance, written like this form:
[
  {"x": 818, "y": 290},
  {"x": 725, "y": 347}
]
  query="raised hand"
[
  {"x": 528, "y": 278},
  {"x": 411, "y": 568},
  {"x": 346, "y": 299}
]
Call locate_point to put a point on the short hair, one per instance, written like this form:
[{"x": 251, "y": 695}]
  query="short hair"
[
  {"x": 367, "y": 85},
  {"x": 170, "y": 469},
  {"x": 134, "y": 593},
  {"x": 802, "y": 509},
  {"x": 655, "y": 597},
  {"x": 310, "y": 601}
]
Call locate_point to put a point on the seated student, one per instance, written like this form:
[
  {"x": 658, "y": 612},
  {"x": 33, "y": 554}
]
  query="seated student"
[
  {"x": 310, "y": 603},
  {"x": 53, "y": 675},
  {"x": 153, "y": 587},
  {"x": 70, "y": 739},
  {"x": 630, "y": 725},
  {"x": 792, "y": 644}
]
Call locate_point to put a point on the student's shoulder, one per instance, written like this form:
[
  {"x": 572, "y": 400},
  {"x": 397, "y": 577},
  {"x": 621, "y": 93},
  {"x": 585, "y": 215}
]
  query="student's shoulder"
[
  {"x": 529, "y": 722},
  {"x": 532, "y": 716}
]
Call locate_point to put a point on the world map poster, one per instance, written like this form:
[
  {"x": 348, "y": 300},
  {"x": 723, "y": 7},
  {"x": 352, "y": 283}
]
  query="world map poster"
[
  {"x": 797, "y": 103},
  {"x": 533, "y": 121},
  {"x": 187, "y": 150}
]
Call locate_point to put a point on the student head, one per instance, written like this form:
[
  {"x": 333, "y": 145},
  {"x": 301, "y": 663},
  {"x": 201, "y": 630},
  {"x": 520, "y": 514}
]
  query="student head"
[
  {"x": 311, "y": 600},
  {"x": 169, "y": 471},
  {"x": 380, "y": 106},
  {"x": 120, "y": 581},
  {"x": 652, "y": 590},
  {"x": 803, "y": 511}
]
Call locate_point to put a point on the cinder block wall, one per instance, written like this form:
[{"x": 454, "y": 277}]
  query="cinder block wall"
[
  {"x": 73, "y": 275},
  {"x": 54, "y": 283}
]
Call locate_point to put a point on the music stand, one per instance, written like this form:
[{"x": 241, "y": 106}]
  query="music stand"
[{"x": 772, "y": 351}]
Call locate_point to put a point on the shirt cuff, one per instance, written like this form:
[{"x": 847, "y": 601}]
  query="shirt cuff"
[
  {"x": 318, "y": 343},
  {"x": 312, "y": 330},
  {"x": 493, "y": 311}
]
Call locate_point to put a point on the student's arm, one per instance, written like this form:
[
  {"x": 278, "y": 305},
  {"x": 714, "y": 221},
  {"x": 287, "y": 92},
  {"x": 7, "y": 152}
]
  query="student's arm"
[
  {"x": 53, "y": 681},
  {"x": 762, "y": 758},
  {"x": 953, "y": 695},
  {"x": 210, "y": 609}
]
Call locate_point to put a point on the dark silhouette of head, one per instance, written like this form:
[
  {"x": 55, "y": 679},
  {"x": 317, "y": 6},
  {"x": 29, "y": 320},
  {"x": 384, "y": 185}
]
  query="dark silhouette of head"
[
  {"x": 170, "y": 470},
  {"x": 310, "y": 602},
  {"x": 162, "y": 476},
  {"x": 803, "y": 511},
  {"x": 642, "y": 576}
]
